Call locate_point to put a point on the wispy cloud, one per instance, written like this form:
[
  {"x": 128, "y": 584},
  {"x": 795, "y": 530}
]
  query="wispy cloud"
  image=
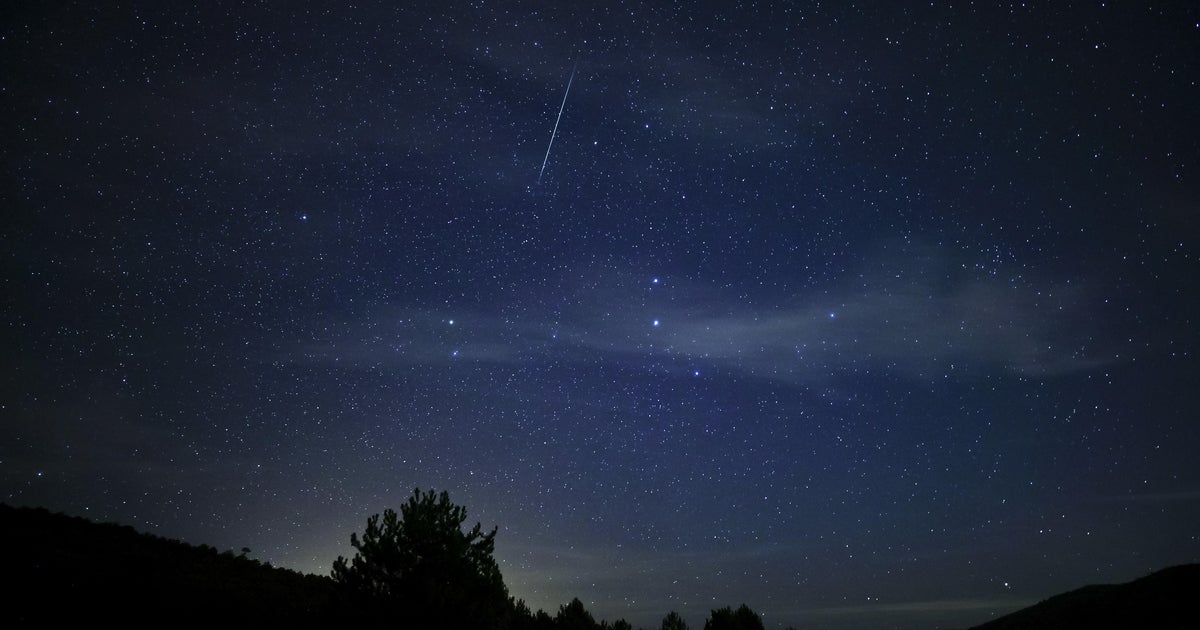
[{"x": 915, "y": 327}]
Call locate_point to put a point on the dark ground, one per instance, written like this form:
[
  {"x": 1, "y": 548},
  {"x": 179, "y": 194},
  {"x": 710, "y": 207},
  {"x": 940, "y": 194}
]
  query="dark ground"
[{"x": 68, "y": 569}]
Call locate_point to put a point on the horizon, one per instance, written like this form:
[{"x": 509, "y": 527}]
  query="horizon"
[{"x": 851, "y": 614}]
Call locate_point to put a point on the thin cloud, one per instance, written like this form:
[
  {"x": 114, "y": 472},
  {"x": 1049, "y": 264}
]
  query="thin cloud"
[
  {"x": 916, "y": 328},
  {"x": 909, "y": 329}
]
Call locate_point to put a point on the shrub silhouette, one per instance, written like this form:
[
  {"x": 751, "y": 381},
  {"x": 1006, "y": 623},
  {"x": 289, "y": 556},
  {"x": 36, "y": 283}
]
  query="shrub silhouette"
[
  {"x": 418, "y": 568},
  {"x": 674, "y": 622},
  {"x": 728, "y": 619},
  {"x": 573, "y": 616},
  {"x": 522, "y": 618}
]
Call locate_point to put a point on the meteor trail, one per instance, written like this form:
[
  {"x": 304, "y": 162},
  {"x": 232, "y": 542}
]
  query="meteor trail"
[{"x": 555, "y": 132}]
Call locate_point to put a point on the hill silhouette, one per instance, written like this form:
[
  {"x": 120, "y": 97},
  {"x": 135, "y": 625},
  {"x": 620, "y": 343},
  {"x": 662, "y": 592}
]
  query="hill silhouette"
[
  {"x": 1162, "y": 600},
  {"x": 69, "y": 569}
]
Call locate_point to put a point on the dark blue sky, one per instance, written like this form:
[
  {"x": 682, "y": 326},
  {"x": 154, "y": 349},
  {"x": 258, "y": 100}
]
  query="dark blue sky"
[{"x": 870, "y": 315}]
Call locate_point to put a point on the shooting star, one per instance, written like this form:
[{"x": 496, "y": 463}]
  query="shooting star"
[{"x": 555, "y": 132}]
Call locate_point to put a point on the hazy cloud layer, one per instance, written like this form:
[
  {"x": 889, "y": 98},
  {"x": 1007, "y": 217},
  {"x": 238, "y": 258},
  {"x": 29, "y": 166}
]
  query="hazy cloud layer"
[{"x": 920, "y": 325}]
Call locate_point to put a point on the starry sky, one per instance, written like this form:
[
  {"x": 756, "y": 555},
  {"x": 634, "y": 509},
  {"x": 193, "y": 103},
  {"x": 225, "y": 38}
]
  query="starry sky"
[{"x": 872, "y": 314}]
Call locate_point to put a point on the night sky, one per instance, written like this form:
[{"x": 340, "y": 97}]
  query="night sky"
[{"x": 880, "y": 314}]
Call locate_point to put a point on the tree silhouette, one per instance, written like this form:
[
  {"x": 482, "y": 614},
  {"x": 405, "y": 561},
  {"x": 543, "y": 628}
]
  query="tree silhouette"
[
  {"x": 573, "y": 616},
  {"x": 674, "y": 622},
  {"x": 522, "y": 618},
  {"x": 418, "y": 568},
  {"x": 728, "y": 619}
]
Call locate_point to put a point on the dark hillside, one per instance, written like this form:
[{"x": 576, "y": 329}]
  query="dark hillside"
[
  {"x": 64, "y": 568},
  {"x": 1166, "y": 599}
]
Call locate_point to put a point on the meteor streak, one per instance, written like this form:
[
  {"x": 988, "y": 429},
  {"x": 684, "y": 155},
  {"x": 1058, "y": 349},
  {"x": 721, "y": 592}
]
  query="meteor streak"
[{"x": 555, "y": 132}]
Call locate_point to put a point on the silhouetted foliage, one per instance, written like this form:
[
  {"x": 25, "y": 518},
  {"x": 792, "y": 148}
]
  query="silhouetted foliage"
[
  {"x": 573, "y": 616},
  {"x": 619, "y": 624},
  {"x": 673, "y": 622},
  {"x": 522, "y": 618},
  {"x": 419, "y": 568},
  {"x": 543, "y": 621},
  {"x": 728, "y": 619}
]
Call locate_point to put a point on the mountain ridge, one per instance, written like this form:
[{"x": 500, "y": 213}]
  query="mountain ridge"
[{"x": 1159, "y": 600}]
